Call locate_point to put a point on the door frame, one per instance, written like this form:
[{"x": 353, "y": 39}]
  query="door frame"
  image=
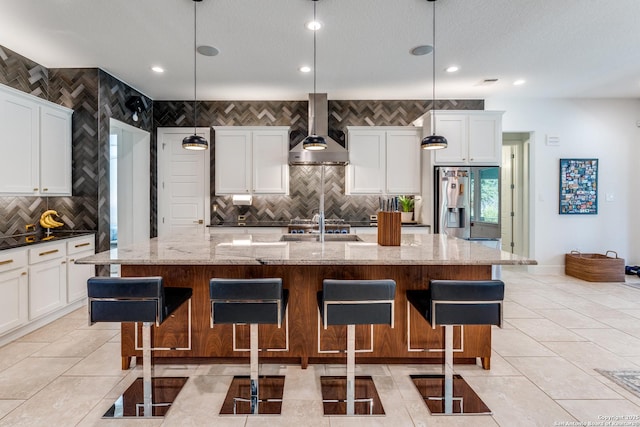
[
  {"x": 140, "y": 182},
  {"x": 160, "y": 167},
  {"x": 523, "y": 186}
]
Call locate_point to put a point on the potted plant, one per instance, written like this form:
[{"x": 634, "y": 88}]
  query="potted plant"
[{"x": 407, "y": 203}]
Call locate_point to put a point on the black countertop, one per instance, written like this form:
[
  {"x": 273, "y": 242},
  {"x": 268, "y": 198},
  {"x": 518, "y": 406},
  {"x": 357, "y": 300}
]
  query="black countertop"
[{"x": 16, "y": 241}]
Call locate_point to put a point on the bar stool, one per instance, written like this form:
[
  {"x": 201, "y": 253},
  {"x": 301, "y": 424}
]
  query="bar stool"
[
  {"x": 252, "y": 301},
  {"x": 354, "y": 302},
  {"x": 146, "y": 300},
  {"x": 448, "y": 303}
]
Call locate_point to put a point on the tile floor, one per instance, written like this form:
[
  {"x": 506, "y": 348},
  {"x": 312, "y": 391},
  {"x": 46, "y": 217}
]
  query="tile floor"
[{"x": 557, "y": 331}]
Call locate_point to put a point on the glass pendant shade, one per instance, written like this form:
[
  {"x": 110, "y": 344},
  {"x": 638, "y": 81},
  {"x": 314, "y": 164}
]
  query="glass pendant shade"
[
  {"x": 314, "y": 142},
  {"x": 433, "y": 142},
  {"x": 195, "y": 142}
]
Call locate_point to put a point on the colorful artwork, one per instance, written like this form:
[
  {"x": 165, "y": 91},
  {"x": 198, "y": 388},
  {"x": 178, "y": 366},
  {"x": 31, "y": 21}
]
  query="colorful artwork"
[{"x": 579, "y": 186}]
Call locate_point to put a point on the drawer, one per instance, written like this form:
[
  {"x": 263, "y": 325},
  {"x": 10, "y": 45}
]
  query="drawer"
[
  {"x": 81, "y": 244},
  {"x": 46, "y": 252},
  {"x": 12, "y": 259}
]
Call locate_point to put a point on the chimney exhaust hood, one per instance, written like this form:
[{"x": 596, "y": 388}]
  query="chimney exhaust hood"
[{"x": 334, "y": 154}]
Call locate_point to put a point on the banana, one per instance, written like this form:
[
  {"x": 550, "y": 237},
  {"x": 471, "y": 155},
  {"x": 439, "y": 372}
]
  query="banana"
[
  {"x": 55, "y": 223},
  {"x": 44, "y": 222},
  {"x": 47, "y": 221}
]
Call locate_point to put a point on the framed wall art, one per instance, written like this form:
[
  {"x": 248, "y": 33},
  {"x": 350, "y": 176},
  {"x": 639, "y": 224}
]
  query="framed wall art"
[{"x": 578, "y": 186}]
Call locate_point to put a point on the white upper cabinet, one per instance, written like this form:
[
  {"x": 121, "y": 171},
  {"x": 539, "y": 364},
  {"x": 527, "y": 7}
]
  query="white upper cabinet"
[
  {"x": 271, "y": 161},
  {"x": 19, "y": 144},
  {"x": 55, "y": 151},
  {"x": 403, "y": 161},
  {"x": 35, "y": 141},
  {"x": 474, "y": 137},
  {"x": 251, "y": 160},
  {"x": 383, "y": 160}
]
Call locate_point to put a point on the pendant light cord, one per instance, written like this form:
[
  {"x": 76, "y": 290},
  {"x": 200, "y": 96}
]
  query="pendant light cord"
[
  {"x": 433, "y": 68},
  {"x": 313, "y": 130},
  {"x": 195, "y": 81}
]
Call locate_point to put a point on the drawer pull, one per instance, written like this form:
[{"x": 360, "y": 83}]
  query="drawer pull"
[
  {"x": 72, "y": 260},
  {"x": 6, "y": 261},
  {"x": 24, "y": 273},
  {"x": 53, "y": 251},
  {"x": 82, "y": 244}
]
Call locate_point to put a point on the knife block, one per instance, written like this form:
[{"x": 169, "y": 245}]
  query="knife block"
[{"x": 389, "y": 228}]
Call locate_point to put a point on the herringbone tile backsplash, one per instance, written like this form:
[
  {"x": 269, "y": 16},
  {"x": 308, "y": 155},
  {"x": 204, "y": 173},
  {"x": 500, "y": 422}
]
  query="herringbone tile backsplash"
[
  {"x": 304, "y": 180},
  {"x": 96, "y": 96}
]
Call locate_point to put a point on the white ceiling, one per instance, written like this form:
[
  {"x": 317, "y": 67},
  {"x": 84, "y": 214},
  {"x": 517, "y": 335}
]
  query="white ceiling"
[{"x": 563, "y": 48}]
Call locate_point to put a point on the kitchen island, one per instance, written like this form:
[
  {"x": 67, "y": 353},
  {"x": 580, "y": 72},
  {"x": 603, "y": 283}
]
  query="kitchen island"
[{"x": 191, "y": 260}]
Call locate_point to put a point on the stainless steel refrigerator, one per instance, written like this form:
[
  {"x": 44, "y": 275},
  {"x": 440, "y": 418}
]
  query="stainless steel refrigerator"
[{"x": 467, "y": 201}]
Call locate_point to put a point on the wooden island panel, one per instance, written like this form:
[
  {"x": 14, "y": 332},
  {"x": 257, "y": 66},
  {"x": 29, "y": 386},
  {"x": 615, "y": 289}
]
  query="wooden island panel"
[{"x": 303, "y": 283}]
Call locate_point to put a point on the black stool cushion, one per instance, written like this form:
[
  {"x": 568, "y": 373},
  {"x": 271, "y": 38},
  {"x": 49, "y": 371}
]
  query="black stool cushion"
[
  {"x": 133, "y": 299},
  {"x": 247, "y": 300},
  {"x": 446, "y": 292},
  {"x": 366, "y": 293}
]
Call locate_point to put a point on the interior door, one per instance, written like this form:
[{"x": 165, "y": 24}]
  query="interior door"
[{"x": 183, "y": 183}]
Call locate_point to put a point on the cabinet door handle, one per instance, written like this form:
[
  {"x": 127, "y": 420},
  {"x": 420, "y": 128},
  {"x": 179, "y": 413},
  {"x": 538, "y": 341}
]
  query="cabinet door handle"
[
  {"x": 35, "y": 189},
  {"x": 63, "y": 262},
  {"x": 24, "y": 273},
  {"x": 48, "y": 252},
  {"x": 72, "y": 260},
  {"x": 6, "y": 261},
  {"x": 200, "y": 221},
  {"x": 45, "y": 189},
  {"x": 82, "y": 244}
]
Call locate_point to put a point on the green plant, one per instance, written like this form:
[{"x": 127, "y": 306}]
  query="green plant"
[{"x": 407, "y": 203}]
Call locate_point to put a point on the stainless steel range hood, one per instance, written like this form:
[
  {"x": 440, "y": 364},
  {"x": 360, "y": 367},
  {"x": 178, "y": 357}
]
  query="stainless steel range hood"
[{"x": 335, "y": 154}]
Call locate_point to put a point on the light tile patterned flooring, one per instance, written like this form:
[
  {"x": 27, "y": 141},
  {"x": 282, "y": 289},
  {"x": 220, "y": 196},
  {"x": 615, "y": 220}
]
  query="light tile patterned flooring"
[{"x": 557, "y": 331}]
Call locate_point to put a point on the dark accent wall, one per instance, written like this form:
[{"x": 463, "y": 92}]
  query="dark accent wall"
[
  {"x": 95, "y": 96},
  {"x": 304, "y": 180}
]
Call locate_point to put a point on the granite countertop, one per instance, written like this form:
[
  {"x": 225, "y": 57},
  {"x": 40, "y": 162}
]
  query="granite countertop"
[
  {"x": 286, "y": 223},
  {"x": 10, "y": 242},
  {"x": 267, "y": 249}
]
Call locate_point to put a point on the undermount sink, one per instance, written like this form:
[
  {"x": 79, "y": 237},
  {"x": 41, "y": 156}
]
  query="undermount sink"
[{"x": 316, "y": 238}]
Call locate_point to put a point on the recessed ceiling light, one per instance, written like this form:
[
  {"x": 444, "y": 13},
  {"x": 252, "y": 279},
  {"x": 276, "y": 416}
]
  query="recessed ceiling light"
[
  {"x": 157, "y": 69},
  {"x": 452, "y": 69},
  {"x": 207, "y": 50},
  {"x": 305, "y": 69},
  {"x": 519, "y": 82},
  {"x": 421, "y": 50},
  {"x": 313, "y": 25}
]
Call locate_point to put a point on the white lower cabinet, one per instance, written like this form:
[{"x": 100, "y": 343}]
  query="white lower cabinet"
[
  {"x": 78, "y": 274},
  {"x": 14, "y": 303},
  {"x": 42, "y": 282},
  {"x": 47, "y": 279}
]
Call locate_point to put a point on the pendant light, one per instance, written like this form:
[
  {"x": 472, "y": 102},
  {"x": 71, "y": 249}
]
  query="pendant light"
[
  {"x": 313, "y": 141},
  {"x": 195, "y": 142},
  {"x": 433, "y": 141}
]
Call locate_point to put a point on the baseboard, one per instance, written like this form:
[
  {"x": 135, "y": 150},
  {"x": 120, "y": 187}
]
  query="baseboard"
[{"x": 40, "y": 322}]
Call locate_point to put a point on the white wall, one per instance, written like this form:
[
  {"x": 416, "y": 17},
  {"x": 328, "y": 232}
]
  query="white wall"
[{"x": 588, "y": 128}]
